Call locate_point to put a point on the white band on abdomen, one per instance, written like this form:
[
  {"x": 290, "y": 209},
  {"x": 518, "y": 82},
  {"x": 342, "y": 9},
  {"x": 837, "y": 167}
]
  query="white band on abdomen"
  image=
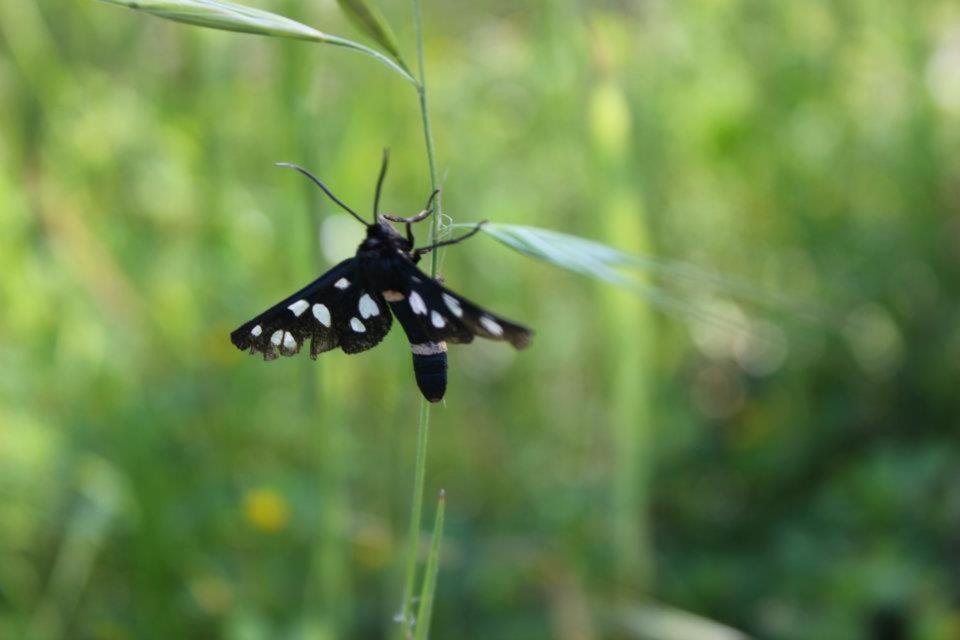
[{"x": 428, "y": 348}]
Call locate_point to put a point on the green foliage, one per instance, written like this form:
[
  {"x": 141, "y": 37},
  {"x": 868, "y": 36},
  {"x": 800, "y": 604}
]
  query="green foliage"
[
  {"x": 215, "y": 14},
  {"x": 428, "y": 591},
  {"x": 229, "y": 16},
  {"x": 633, "y": 272},
  {"x": 369, "y": 20}
]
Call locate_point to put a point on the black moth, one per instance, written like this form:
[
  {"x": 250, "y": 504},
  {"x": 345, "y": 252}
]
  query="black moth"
[{"x": 350, "y": 305}]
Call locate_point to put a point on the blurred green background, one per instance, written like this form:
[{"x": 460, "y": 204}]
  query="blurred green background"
[{"x": 634, "y": 474}]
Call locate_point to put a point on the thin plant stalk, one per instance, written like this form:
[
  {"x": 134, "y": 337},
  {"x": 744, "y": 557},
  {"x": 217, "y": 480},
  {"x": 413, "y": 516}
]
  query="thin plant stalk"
[
  {"x": 423, "y": 429},
  {"x": 430, "y": 573},
  {"x": 427, "y": 133},
  {"x": 416, "y": 511},
  {"x": 376, "y": 55}
]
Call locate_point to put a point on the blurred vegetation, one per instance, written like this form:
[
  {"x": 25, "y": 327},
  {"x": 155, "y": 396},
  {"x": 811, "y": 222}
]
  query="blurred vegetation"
[{"x": 635, "y": 473}]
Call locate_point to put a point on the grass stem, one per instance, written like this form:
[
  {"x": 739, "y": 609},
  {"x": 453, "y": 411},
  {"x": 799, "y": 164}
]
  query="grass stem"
[
  {"x": 423, "y": 428},
  {"x": 416, "y": 511},
  {"x": 430, "y": 573},
  {"x": 427, "y": 131}
]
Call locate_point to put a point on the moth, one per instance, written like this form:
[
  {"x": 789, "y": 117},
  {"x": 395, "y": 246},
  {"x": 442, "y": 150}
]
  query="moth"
[{"x": 352, "y": 305}]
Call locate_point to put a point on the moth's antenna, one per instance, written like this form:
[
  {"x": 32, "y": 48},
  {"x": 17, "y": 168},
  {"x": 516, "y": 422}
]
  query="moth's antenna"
[
  {"x": 316, "y": 181},
  {"x": 383, "y": 174}
]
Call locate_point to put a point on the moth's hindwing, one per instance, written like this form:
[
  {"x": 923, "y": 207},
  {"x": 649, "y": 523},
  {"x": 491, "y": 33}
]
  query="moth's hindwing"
[
  {"x": 432, "y": 315},
  {"x": 332, "y": 311},
  {"x": 447, "y": 316}
]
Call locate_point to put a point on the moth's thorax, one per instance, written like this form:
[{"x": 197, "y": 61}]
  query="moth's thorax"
[
  {"x": 384, "y": 238},
  {"x": 378, "y": 255}
]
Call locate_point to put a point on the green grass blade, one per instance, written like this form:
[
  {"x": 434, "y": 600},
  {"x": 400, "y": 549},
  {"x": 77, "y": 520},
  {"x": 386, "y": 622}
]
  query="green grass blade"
[
  {"x": 228, "y": 16},
  {"x": 369, "y": 20},
  {"x": 604, "y": 262},
  {"x": 424, "y": 426},
  {"x": 430, "y": 575},
  {"x": 405, "y": 617},
  {"x": 654, "y": 620},
  {"x": 585, "y": 257}
]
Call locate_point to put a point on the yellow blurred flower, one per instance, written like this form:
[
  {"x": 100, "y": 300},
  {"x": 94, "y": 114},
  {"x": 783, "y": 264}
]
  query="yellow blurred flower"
[{"x": 266, "y": 510}]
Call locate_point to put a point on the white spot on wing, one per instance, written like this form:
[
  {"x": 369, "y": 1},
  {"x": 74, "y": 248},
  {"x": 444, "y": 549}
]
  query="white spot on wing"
[
  {"x": 491, "y": 325},
  {"x": 322, "y": 314},
  {"x": 368, "y": 307},
  {"x": 417, "y": 303},
  {"x": 453, "y": 304},
  {"x": 276, "y": 338},
  {"x": 256, "y": 331},
  {"x": 438, "y": 320},
  {"x": 289, "y": 342},
  {"x": 342, "y": 283},
  {"x": 299, "y": 307},
  {"x": 357, "y": 326}
]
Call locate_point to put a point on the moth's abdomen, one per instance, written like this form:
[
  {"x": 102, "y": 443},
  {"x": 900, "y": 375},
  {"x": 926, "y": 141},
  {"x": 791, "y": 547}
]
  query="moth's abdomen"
[
  {"x": 429, "y": 356},
  {"x": 430, "y": 369}
]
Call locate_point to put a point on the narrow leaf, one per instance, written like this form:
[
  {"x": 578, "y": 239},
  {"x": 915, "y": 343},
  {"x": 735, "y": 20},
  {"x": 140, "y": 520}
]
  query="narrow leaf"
[
  {"x": 659, "y": 622},
  {"x": 229, "y": 16},
  {"x": 430, "y": 575},
  {"x": 216, "y": 14},
  {"x": 602, "y": 262},
  {"x": 369, "y": 20},
  {"x": 585, "y": 257}
]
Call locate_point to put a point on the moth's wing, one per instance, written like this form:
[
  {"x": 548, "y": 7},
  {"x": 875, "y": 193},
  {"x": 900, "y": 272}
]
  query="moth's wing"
[
  {"x": 333, "y": 311},
  {"x": 362, "y": 321},
  {"x": 447, "y": 316}
]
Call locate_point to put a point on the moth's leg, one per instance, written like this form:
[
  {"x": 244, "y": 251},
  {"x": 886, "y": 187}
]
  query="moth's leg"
[
  {"x": 445, "y": 243},
  {"x": 428, "y": 206},
  {"x": 410, "y": 234},
  {"x": 427, "y": 210},
  {"x": 417, "y": 218},
  {"x": 423, "y": 215}
]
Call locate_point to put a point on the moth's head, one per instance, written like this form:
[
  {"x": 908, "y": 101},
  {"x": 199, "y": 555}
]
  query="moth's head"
[{"x": 383, "y": 232}]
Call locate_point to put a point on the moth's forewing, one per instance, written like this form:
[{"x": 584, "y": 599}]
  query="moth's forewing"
[{"x": 334, "y": 310}]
